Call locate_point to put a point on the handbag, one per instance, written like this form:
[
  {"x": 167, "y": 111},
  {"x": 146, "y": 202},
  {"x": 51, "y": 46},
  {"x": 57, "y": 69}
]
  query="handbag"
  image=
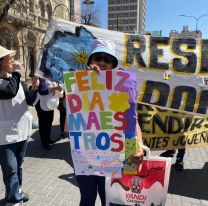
[{"x": 149, "y": 187}]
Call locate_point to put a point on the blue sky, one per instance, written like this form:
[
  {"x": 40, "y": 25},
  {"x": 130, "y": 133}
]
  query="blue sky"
[{"x": 164, "y": 15}]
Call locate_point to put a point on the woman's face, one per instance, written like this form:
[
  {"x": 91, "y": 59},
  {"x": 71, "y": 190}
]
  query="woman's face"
[
  {"x": 103, "y": 60},
  {"x": 7, "y": 64}
]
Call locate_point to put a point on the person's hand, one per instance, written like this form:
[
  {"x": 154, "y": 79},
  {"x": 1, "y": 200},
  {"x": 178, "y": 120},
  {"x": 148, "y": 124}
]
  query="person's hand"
[
  {"x": 138, "y": 157},
  {"x": 54, "y": 87},
  {"x": 54, "y": 84},
  {"x": 35, "y": 83},
  {"x": 94, "y": 67},
  {"x": 59, "y": 94},
  {"x": 60, "y": 87},
  {"x": 17, "y": 66},
  {"x": 57, "y": 87}
]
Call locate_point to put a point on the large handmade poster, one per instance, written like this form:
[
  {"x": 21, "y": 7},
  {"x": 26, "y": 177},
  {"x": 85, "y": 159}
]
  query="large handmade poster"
[{"x": 101, "y": 114}]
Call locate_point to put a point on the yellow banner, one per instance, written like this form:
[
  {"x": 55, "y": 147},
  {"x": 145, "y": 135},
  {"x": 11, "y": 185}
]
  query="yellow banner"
[{"x": 164, "y": 129}]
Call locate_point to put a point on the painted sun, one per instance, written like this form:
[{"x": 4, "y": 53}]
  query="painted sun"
[{"x": 79, "y": 58}]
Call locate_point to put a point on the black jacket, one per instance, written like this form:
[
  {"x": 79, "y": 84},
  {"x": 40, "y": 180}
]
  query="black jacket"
[{"x": 10, "y": 89}]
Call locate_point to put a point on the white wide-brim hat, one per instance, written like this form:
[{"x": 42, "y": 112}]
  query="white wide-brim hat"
[
  {"x": 4, "y": 52},
  {"x": 39, "y": 74},
  {"x": 103, "y": 46}
]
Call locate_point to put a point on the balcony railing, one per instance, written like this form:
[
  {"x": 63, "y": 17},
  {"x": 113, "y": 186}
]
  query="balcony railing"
[
  {"x": 31, "y": 20},
  {"x": 19, "y": 21}
]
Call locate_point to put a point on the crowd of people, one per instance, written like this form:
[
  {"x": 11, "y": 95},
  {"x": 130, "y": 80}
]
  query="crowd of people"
[{"x": 16, "y": 122}]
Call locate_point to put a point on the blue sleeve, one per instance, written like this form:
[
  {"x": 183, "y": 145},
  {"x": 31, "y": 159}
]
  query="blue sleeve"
[{"x": 43, "y": 89}]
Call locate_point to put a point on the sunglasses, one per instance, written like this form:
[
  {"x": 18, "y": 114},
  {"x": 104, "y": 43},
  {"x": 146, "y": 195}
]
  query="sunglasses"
[{"x": 105, "y": 58}]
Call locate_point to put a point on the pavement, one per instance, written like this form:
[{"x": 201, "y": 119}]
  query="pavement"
[{"x": 48, "y": 176}]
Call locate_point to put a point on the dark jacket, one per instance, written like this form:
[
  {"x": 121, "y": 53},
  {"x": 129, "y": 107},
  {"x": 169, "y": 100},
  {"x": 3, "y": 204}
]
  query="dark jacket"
[{"x": 9, "y": 90}]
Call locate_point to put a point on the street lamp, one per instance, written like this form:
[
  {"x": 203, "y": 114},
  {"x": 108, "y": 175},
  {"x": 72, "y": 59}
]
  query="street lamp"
[
  {"x": 69, "y": 10},
  {"x": 117, "y": 22},
  {"x": 88, "y": 3},
  {"x": 196, "y": 18}
]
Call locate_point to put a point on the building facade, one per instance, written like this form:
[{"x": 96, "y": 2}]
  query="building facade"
[
  {"x": 127, "y": 15},
  {"x": 186, "y": 33},
  {"x": 24, "y": 27}
]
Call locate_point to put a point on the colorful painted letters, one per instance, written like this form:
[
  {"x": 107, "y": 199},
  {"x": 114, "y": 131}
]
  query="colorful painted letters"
[{"x": 97, "y": 106}]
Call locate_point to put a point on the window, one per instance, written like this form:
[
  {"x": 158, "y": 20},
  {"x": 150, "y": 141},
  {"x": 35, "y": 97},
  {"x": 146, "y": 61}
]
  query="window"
[
  {"x": 42, "y": 8},
  {"x": 133, "y": 14},
  {"x": 48, "y": 11},
  {"x": 110, "y": 22},
  {"x": 112, "y": 2},
  {"x": 118, "y": 8},
  {"x": 125, "y": 14},
  {"x": 31, "y": 5}
]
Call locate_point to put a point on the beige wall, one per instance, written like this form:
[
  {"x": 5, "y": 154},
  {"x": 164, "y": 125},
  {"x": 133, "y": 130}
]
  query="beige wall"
[{"x": 24, "y": 28}]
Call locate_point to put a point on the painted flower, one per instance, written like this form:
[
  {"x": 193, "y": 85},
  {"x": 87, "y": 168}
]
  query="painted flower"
[{"x": 119, "y": 102}]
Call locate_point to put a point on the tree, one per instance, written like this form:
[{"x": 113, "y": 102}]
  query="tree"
[{"x": 90, "y": 15}]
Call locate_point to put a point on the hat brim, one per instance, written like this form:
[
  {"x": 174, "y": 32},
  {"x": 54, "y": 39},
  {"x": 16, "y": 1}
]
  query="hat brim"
[
  {"x": 39, "y": 74},
  {"x": 103, "y": 50},
  {"x": 11, "y": 53}
]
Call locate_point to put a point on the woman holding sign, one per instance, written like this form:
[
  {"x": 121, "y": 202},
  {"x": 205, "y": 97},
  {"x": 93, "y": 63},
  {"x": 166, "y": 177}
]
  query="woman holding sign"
[{"x": 103, "y": 58}]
